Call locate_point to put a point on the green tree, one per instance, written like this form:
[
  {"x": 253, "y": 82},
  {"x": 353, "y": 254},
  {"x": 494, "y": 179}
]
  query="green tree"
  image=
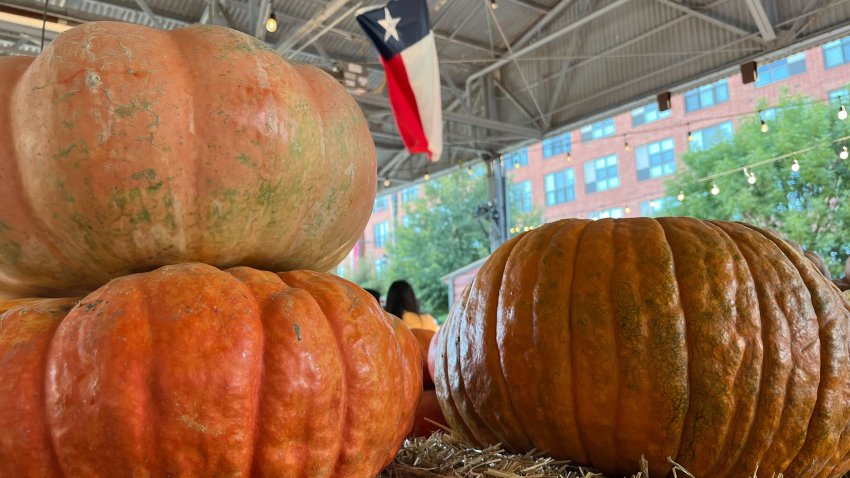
[
  {"x": 441, "y": 234},
  {"x": 810, "y": 206}
]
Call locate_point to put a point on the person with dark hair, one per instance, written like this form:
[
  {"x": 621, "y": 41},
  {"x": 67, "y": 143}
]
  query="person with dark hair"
[
  {"x": 375, "y": 294},
  {"x": 402, "y": 303}
]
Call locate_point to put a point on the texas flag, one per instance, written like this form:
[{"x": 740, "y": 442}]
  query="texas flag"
[{"x": 401, "y": 32}]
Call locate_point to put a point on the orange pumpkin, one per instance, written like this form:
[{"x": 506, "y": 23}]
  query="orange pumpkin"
[
  {"x": 423, "y": 338},
  {"x": 714, "y": 343},
  {"x": 193, "y": 371},
  {"x": 428, "y": 412},
  {"x": 124, "y": 148}
]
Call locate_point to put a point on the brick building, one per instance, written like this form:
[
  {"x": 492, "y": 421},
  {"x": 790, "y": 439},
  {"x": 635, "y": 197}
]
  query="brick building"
[{"x": 616, "y": 166}]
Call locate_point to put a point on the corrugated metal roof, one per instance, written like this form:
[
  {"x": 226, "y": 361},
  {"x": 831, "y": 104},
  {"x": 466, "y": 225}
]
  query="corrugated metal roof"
[{"x": 584, "y": 59}]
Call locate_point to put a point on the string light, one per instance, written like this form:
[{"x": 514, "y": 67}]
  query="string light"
[
  {"x": 843, "y": 154},
  {"x": 628, "y": 209},
  {"x": 796, "y": 166},
  {"x": 627, "y": 145},
  {"x": 681, "y": 196},
  {"x": 494, "y": 5},
  {"x": 764, "y": 127},
  {"x": 569, "y": 156},
  {"x": 714, "y": 189},
  {"x": 516, "y": 164},
  {"x": 842, "y": 113},
  {"x": 427, "y": 176},
  {"x": 690, "y": 136},
  {"x": 387, "y": 182},
  {"x": 271, "y": 23},
  {"x": 751, "y": 176},
  {"x": 469, "y": 170}
]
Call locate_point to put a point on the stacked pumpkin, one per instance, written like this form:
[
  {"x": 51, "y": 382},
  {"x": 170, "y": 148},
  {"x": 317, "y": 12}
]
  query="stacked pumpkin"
[
  {"x": 124, "y": 149},
  {"x": 429, "y": 417},
  {"x": 713, "y": 344}
]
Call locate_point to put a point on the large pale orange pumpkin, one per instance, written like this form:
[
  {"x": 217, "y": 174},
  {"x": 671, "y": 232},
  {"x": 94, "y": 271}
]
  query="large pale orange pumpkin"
[
  {"x": 193, "y": 371},
  {"x": 124, "y": 148},
  {"x": 713, "y": 343}
]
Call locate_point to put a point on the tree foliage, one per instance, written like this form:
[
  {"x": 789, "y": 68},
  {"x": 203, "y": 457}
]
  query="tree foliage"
[{"x": 810, "y": 206}]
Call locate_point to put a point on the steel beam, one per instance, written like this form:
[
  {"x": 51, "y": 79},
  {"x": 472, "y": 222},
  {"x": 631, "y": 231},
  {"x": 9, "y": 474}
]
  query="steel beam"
[
  {"x": 530, "y": 133},
  {"x": 762, "y": 21},
  {"x": 348, "y": 13},
  {"x": 504, "y": 60},
  {"x": 291, "y": 40},
  {"x": 143, "y": 4},
  {"x": 705, "y": 17}
]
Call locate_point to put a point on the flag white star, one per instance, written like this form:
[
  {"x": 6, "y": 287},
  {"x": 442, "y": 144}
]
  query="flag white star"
[{"x": 389, "y": 23}]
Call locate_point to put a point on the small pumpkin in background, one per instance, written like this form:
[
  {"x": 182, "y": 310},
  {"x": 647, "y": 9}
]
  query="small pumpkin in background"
[
  {"x": 193, "y": 371},
  {"x": 714, "y": 343},
  {"x": 423, "y": 338},
  {"x": 818, "y": 262},
  {"x": 428, "y": 410},
  {"x": 155, "y": 147}
]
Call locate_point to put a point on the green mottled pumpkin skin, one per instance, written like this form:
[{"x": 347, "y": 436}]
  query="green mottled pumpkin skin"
[
  {"x": 713, "y": 343},
  {"x": 124, "y": 148}
]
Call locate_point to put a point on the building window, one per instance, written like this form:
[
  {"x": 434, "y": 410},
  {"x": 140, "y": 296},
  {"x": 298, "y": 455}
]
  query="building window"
[
  {"x": 601, "y": 174},
  {"x": 560, "y": 186},
  {"x": 600, "y": 129},
  {"x": 656, "y": 207},
  {"x": 707, "y": 96},
  {"x": 839, "y": 97},
  {"x": 382, "y": 233},
  {"x": 380, "y": 266},
  {"x": 648, "y": 114},
  {"x": 655, "y": 159},
  {"x": 781, "y": 69},
  {"x": 380, "y": 204},
  {"x": 557, "y": 145},
  {"x": 836, "y": 52},
  {"x": 409, "y": 194},
  {"x": 614, "y": 212},
  {"x": 517, "y": 159},
  {"x": 521, "y": 196},
  {"x": 707, "y": 138}
]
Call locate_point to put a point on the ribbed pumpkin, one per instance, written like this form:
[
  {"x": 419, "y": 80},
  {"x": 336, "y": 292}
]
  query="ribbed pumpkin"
[
  {"x": 124, "y": 148},
  {"x": 713, "y": 343},
  {"x": 192, "y": 371}
]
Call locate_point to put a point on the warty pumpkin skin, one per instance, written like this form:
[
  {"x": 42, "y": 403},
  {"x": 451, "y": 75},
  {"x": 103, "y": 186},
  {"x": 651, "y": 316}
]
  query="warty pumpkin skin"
[
  {"x": 124, "y": 148},
  {"x": 193, "y": 371},
  {"x": 713, "y": 343}
]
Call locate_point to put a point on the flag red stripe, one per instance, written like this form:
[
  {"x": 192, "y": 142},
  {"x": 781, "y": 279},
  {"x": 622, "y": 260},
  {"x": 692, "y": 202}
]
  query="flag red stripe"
[{"x": 404, "y": 106}]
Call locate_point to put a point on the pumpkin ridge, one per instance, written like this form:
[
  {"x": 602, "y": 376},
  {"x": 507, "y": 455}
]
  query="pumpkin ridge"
[
  {"x": 833, "y": 367},
  {"x": 752, "y": 445},
  {"x": 735, "y": 447},
  {"x": 41, "y": 230},
  {"x": 521, "y": 315},
  {"x": 664, "y": 223},
  {"x": 454, "y": 417},
  {"x": 572, "y": 363},
  {"x": 485, "y": 433}
]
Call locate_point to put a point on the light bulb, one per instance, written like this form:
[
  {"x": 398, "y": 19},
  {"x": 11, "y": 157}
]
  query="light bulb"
[
  {"x": 681, "y": 196},
  {"x": 569, "y": 156},
  {"x": 764, "y": 127},
  {"x": 427, "y": 176},
  {"x": 842, "y": 113},
  {"x": 628, "y": 210},
  {"x": 271, "y": 23},
  {"x": 469, "y": 170},
  {"x": 796, "y": 166},
  {"x": 627, "y": 146},
  {"x": 751, "y": 178},
  {"x": 525, "y": 229},
  {"x": 387, "y": 183},
  {"x": 690, "y": 136},
  {"x": 493, "y": 4},
  {"x": 516, "y": 164},
  {"x": 843, "y": 154},
  {"x": 715, "y": 190}
]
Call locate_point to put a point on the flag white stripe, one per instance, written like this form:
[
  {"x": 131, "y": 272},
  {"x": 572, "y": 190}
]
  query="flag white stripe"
[{"x": 423, "y": 71}]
